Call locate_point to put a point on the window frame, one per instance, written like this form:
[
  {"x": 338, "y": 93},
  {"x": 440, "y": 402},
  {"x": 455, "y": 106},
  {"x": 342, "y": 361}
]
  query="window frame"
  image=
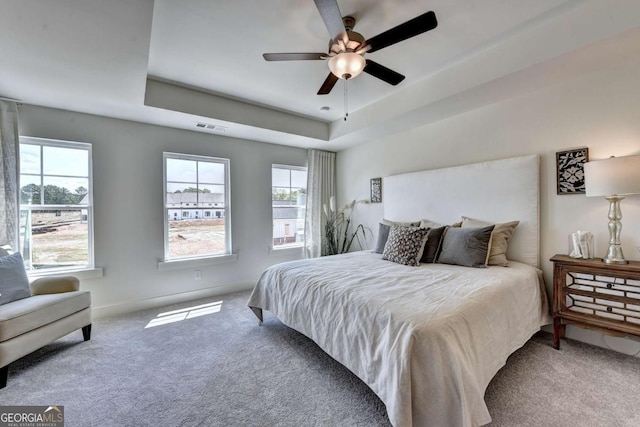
[
  {"x": 295, "y": 245},
  {"x": 227, "y": 206},
  {"x": 48, "y": 142}
]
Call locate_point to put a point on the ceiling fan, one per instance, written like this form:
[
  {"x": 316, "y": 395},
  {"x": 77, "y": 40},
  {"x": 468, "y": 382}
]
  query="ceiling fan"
[{"x": 347, "y": 48}]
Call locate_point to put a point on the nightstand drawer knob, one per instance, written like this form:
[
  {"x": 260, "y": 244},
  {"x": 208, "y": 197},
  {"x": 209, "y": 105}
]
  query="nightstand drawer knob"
[
  {"x": 609, "y": 309},
  {"x": 609, "y": 286}
]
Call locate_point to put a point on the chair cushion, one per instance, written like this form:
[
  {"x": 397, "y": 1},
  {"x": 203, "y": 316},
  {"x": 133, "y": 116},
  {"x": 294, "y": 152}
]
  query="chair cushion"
[{"x": 19, "y": 317}]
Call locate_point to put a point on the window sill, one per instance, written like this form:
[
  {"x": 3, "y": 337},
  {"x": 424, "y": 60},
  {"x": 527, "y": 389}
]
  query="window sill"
[
  {"x": 82, "y": 274},
  {"x": 196, "y": 262},
  {"x": 297, "y": 250}
]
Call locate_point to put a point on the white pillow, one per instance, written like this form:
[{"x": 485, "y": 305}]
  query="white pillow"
[
  {"x": 403, "y": 224},
  {"x": 426, "y": 223}
]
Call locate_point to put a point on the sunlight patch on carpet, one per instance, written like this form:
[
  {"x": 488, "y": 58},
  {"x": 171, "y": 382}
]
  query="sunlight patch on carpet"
[{"x": 184, "y": 314}]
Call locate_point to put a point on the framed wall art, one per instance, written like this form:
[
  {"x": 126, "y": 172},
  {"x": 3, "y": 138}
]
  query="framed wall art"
[
  {"x": 570, "y": 170},
  {"x": 376, "y": 190}
]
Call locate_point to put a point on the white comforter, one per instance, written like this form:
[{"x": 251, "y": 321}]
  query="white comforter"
[{"x": 427, "y": 339}]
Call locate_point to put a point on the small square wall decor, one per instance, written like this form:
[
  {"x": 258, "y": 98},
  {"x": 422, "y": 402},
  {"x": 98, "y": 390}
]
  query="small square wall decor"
[
  {"x": 570, "y": 170},
  {"x": 376, "y": 190}
]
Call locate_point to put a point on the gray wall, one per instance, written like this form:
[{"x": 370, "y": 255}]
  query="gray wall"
[
  {"x": 599, "y": 110},
  {"x": 127, "y": 183}
]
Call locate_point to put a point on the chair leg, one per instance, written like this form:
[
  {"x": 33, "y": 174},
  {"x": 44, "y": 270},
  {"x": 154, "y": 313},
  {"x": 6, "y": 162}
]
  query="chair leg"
[
  {"x": 4, "y": 374},
  {"x": 4, "y": 371},
  {"x": 86, "y": 332}
]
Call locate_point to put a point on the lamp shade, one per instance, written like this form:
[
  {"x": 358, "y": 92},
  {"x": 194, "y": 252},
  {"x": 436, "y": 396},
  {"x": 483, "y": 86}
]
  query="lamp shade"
[
  {"x": 613, "y": 176},
  {"x": 346, "y": 65}
]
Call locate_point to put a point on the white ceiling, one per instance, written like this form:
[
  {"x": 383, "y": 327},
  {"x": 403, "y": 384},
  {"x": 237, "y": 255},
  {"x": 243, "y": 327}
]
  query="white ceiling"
[{"x": 177, "y": 63}]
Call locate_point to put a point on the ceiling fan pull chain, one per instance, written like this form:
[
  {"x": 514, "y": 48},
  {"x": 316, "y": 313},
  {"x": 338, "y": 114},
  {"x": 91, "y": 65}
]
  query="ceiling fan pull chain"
[{"x": 346, "y": 105}]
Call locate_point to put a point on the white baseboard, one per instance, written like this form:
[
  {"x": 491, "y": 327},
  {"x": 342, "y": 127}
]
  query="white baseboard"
[
  {"x": 160, "y": 301},
  {"x": 627, "y": 345}
]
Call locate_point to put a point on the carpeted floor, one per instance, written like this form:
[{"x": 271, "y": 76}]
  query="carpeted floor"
[{"x": 222, "y": 369}]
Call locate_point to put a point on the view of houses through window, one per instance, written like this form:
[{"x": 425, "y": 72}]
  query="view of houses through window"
[
  {"x": 196, "y": 206},
  {"x": 289, "y": 198},
  {"x": 55, "y": 204},
  {"x": 56, "y": 210}
]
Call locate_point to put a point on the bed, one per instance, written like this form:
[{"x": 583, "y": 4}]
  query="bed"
[{"x": 428, "y": 339}]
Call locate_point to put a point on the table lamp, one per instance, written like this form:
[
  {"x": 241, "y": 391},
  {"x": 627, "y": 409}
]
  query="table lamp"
[{"x": 613, "y": 178}]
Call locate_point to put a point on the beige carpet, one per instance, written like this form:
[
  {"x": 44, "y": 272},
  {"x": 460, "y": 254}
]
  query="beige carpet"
[{"x": 222, "y": 369}]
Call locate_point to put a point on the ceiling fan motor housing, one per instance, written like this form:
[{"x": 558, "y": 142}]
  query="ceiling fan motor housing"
[{"x": 355, "y": 40}]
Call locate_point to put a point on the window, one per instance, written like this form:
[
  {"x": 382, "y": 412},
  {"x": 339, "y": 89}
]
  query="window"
[
  {"x": 289, "y": 198},
  {"x": 190, "y": 184},
  {"x": 56, "y": 208}
]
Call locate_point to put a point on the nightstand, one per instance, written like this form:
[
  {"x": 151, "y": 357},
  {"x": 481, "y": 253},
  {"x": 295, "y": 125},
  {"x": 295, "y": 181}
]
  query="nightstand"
[{"x": 594, "y": 295}]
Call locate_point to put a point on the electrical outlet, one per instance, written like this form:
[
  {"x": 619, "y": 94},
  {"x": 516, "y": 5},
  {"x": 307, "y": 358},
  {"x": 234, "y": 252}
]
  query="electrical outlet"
[{"x": 197, "y": 275}]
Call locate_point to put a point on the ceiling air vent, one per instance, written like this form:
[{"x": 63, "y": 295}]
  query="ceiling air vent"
[{"x": 210, "y": 126}]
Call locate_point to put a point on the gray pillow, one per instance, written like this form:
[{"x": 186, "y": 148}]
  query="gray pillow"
[
  {"x": 14, "y": 283},
  {"x": 468, "y": 247},
  {"x": 383, "y": 235},
  {"x": 5, "y": 250},
  {"x": 499, "y": 239},
  {"x": 431, "y": 248},
  {"x": 405, "y": 245}
]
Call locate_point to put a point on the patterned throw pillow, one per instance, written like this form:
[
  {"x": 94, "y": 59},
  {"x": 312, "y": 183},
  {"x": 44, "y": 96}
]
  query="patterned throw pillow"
[{"x": 405, "y": 245}]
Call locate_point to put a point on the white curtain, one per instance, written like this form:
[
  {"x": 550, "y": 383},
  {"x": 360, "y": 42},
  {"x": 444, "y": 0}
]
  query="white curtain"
[
  {"x": 9, "y": 170},
  {"x": 321, "y": 186}
]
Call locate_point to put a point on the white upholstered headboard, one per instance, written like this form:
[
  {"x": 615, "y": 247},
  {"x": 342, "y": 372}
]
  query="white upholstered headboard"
[{"x": 496, "y": 191}]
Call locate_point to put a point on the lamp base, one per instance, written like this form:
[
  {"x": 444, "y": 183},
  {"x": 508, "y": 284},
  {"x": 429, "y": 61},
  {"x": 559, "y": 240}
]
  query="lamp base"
[
  {"x": 614, "y": 253},
  {"x": 615, "y": 261}
]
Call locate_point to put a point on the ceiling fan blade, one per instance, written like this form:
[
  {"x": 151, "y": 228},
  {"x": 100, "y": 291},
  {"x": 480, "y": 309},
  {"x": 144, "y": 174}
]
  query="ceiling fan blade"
[
  {"x": 411, "y": 28},
  {"x": 330, "y": 13},
  {"x": 293, "y": 56},
  {"x": 383, "y": 73},
  {"x": 328, "y": 84}
]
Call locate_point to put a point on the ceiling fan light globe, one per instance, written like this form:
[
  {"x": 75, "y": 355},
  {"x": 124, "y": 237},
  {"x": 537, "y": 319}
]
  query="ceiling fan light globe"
[{"x": 347, "y": 65}]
